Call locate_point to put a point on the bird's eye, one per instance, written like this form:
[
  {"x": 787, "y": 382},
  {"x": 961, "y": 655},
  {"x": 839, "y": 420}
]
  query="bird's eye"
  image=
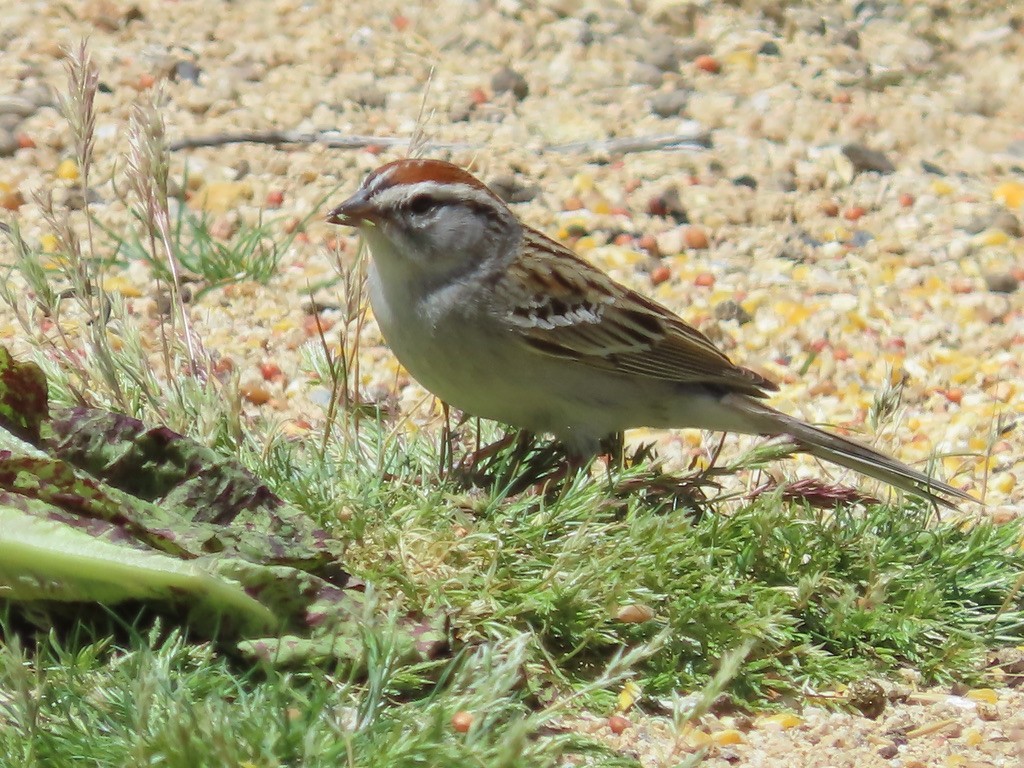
[{"x": 420, "y": 204}]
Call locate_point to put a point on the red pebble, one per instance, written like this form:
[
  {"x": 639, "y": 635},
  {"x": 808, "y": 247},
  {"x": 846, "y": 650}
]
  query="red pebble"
[
  {"x": 707, "y": 64},
  {"x": 704, "y": 280},
  {"x": 656, "y": 206},
  {"x": 400, "y": 22},
  {"x": 223, "y": 367},
  {"x": 906, "y": 199},
  {"x": 954, "y": 395},
  {"x": 818, "y": 345},
  {"x": 617, "y": 724},
  {"x": 854, "y": 212},
  {"x": 274, "y": 198},
  {"x": 842, "y": 97},
  {"x": 695, "y": 237},
  {"x": 462, "y": 721},
  {"x": 660, "y": 274},
  {"x": 479, "y": 96},
  {"x": 314, "y": 325},
  {"x": 270, "y": 371},
  {"x": 649, "y": 243},
  {"x": 840, "y": 354},
  {"x": 24, "y": 141},
  {"x": 255, "y": 394}
]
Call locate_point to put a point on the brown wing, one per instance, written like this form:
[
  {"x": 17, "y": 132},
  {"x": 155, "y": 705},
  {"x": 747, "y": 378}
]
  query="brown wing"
[{"x": 564, "y": 307}]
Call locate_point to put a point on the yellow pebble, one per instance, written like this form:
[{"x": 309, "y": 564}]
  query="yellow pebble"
[
  {"x": 993, "y": 237},
  {"x": 745, "y": 61},
  {"x": 582, "y": 182},
  {"x": 602, "y": 207},
  {"x": 1004, "y": 482},
  {"x": 1010, "y": 194},
  {"x": 67, "y": 170},
  {"x": 697, "y": 739},
  {"x": 783, "y": 720},
  {"x": 972, "y": 737},
  {"x": 836, "y": 234},
  {"x": 728, "y": 736},
  {"x": 800, "y": 272},
  {"x": 985, "y": 695},
  {"x": 48, "y": 243},
  {"x": 941, "y": 187},
  {"x": 628, "y": 696},
  {"x": 118, "y": 284}
]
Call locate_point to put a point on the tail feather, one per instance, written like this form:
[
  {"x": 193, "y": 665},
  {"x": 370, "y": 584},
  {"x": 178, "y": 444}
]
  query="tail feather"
[{"x": 847, "y": 453}]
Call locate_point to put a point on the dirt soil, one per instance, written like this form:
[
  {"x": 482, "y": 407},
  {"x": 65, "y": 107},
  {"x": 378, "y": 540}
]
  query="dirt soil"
[{"x": 840, "y": 208}]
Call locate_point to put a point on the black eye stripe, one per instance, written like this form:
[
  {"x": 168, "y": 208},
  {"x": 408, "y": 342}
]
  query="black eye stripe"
[{"x": 420, "y": 204}]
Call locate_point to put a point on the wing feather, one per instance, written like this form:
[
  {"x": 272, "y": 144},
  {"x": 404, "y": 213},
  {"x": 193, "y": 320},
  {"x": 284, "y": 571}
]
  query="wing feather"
[{"x": 564, "y": 307}]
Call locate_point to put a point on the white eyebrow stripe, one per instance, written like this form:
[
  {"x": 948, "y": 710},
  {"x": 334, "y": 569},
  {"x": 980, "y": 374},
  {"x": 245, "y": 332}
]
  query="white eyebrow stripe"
[{"x": 399, "y": 194}]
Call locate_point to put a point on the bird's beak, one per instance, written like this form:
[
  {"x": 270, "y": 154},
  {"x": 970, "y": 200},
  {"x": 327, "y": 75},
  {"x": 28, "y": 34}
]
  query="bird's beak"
[{"x": 354, "y": 212}]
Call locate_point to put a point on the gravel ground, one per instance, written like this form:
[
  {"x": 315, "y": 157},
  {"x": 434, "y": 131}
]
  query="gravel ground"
[{"x": 854, "y": 223}]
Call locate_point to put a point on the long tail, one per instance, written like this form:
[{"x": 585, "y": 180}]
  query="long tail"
[{"x": 846, "y": 453}]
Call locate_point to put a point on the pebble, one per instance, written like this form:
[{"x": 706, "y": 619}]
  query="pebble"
[
  {"x": 646, "y": 74},
  {"x": 864, "y": 159},
  {"x": 9, "y": 143},
  {"x": 668, "y": 204},
  {"x": 695, "y": 237},
  {"x": 222, "y": 196},
  {"x": 513, "y": 190},
  {"x": 708, "y": 63},
  {"x": 508, "y": 80},
  {"x": 369, "y": 96},
  {"x": 188, "y": 71},
  {"x": 617, "y": 724},
  {"x": 1001, "y": 282},
  {"x": 662, "y": 54},
  {"x": 461, "y": 111},
  {"x": 1007, "y": 222},
  {"x": 670, "y": 103},
  {"x": 732, "y": 310},
  {"x": 462, "y": 721}
]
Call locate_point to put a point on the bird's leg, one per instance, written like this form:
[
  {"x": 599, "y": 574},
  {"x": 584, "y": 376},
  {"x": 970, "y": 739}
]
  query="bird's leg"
[
  {"x": 447, "y": 443},
  {"x": 479, "y": 465}
]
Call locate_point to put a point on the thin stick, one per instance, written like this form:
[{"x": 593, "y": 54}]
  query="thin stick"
[{"x": 695, "y": 140}]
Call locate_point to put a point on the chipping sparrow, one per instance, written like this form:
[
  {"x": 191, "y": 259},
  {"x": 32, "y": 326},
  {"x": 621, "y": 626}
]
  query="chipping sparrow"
[{"x": 502, "y": 322}]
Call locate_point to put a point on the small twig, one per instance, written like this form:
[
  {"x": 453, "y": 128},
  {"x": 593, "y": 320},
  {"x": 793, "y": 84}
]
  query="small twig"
[
  {"x": 695, "y": 140},
  {"x": 327, "y": 138}
]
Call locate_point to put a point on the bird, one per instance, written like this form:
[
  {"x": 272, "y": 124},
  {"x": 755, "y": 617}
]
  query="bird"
[{"x": 502, "y": 322}]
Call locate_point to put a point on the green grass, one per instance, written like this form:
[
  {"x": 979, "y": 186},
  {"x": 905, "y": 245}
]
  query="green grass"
[
  {"x": 532, "y": 586},
  {"x": 751, "y": 599},
  {"x": 159, "y": 700}
]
